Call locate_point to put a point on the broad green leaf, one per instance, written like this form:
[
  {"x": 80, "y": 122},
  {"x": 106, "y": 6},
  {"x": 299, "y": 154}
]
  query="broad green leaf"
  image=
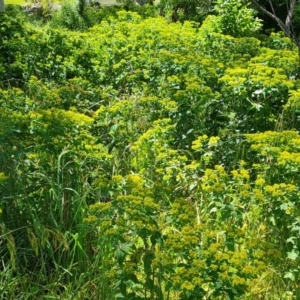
[{"x": 292, "y": 255}]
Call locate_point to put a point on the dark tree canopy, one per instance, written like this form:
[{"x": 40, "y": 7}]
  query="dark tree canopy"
[{"x": 282, "y": 13}]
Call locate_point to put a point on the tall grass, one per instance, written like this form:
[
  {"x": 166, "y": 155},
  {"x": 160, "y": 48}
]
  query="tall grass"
[{"x": 44, "y": 243}]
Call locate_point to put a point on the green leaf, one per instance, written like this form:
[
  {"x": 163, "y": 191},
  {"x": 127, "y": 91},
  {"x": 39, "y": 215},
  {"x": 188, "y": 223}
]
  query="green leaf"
[
  {"x": 257, "y": 92},
  {"x": 119, "y": 296},
  {"x": 149, "y": 283},
  {"x": 291, "y": 240},
  {"x": 120, "y": 256},
  {"x": 289, "y": 275},
  {"x": 148, "y": 257},
  {"x": 192, "y": 186},
  {"x": 156, "y": 238},
  {"x": 127, "y": 247},
  {"x": 292, "y": 255}
]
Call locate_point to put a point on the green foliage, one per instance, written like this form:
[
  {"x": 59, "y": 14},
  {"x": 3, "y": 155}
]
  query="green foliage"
[
  {"x": 277, "y": 41},
  {"x": 277, "y": 182},
  {"x": 142, "y": 159},
  {"x": 236, "y": 19},
  {"x": 69, "y": 16},
  {"x": 185, "y": 259},
  {"x": 93, "y": 15},
  {"x": 12, "y": 30},
  {"x": 182, "y": 10}
]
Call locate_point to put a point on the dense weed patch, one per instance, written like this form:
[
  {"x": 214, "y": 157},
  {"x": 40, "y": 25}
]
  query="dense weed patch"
[{"x": 142, "y": 159}]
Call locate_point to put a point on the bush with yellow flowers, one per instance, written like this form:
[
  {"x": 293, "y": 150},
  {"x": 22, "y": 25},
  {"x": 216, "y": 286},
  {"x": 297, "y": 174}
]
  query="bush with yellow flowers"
[{"x": 143, "y": 159}]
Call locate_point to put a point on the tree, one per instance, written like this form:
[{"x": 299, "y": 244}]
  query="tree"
[
  {"x": 181, "y": 10},
  {"x": 287, "y": 25},
  {"x": 2, "y": 7},
  {"x": 236, "y": 18},
  {"x": 143, "y": 2}
]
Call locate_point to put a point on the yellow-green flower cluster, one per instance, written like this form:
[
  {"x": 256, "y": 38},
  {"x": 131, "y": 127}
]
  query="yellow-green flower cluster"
[
  {"x": 187, "y": 286},
  {"x": 213, "y": 141},
  {"x": 198, "y": 143},
  {"x": 100, "y": 206},
  {"x": 183, "y": 211},
  {"x": 286, "y": 157},
  {"x": 258, "y": 195},
  {"x": 260, "y": 181},
  {"x": 241, "y": 174},
  {"x": 91, "y": 219},
  {"x": 3, "y": 177},
  {"x": 281, "y": 189}
]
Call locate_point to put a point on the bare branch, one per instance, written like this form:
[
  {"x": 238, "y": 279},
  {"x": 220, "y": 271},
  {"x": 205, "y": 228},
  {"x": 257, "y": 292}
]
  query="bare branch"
[
  {"x": 273, "y": 10},
  {"x": 282, "y": 25},
  {"x": 289, "y": 16}
]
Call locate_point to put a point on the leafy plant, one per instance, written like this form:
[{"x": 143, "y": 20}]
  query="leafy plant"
[
  {"x": 148, "y": 159},
  {"x": 236, "y": 19},
  {"x": 182, "y": 10}
]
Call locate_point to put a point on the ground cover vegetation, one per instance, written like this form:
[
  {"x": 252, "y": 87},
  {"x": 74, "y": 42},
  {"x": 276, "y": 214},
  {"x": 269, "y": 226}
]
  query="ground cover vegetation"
[{"x": 147, "y": 159}]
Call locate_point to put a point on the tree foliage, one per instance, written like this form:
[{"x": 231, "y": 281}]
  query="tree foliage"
[
  {"x": 181, "y": 10},
  {"x": 285, "y": 23},
  {"x": 236, "y": 19}
]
